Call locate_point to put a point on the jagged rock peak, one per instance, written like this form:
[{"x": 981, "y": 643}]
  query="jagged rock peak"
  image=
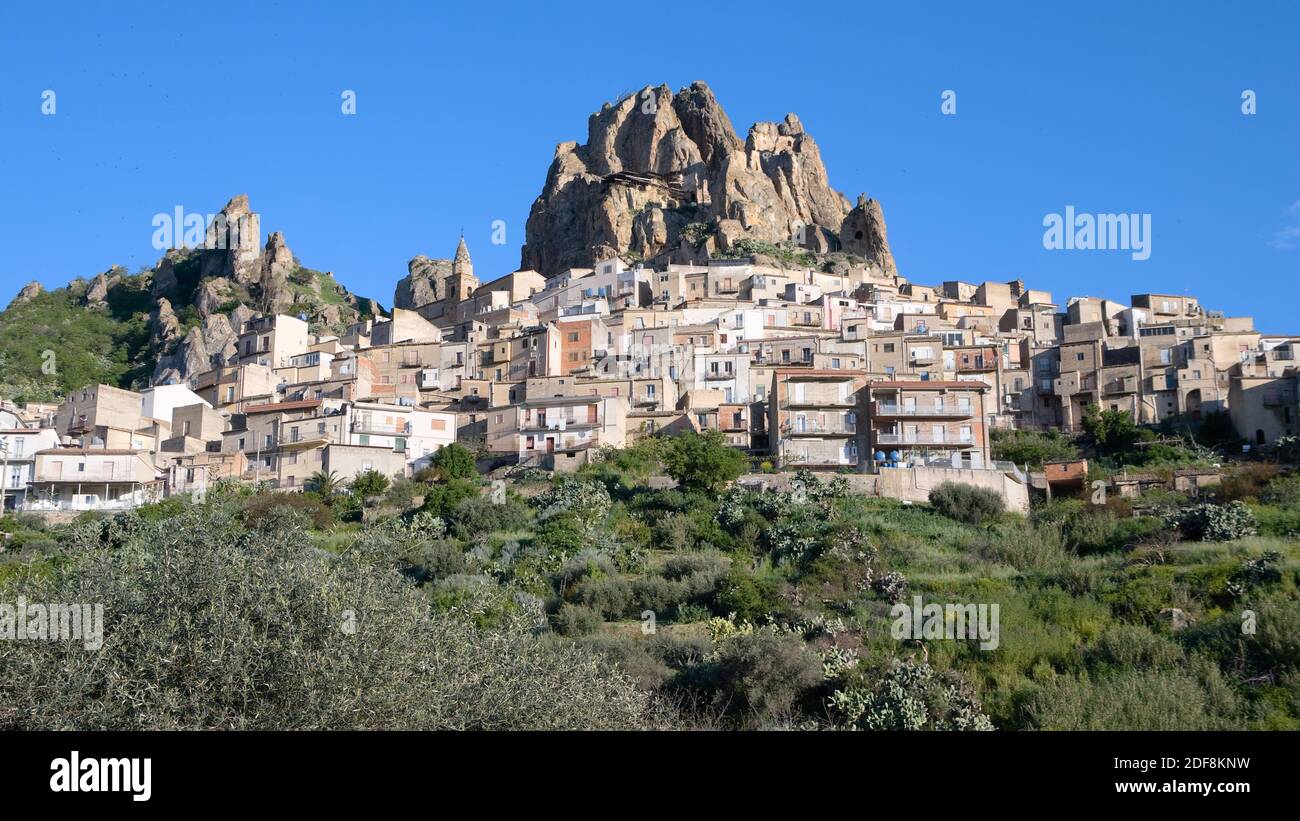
[{"x": 655, "y": 162}]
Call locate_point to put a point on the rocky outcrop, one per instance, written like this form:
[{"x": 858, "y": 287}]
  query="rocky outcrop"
[
  {"x": 232, "y": 245},
  {"x": 863, "y": 233},
  {"x": 29, "y": 292},
  {"x": 97, "y": 293},
  {"x": 277, "y": 265},
  {"x": 655, "y": 163},
  {"x": 421, "y": 284}
]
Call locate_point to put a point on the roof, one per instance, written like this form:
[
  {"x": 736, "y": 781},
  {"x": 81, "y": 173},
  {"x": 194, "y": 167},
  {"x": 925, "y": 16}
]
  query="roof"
[
  {"x": 934, "y": 383},
  {"x": 88, "y": 452},
  {"x": 276, "y": 407}
]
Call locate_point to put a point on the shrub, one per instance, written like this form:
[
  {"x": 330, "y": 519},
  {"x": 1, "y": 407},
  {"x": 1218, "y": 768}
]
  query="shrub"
[
  {"x": 762, "y": 675},
  {"x": 657, "y": 594},
  {"x": 442, "y": 499},
  {"x": 576, "y": 620},
  {"x": 1133, "y": 700},
  {"x": 369, "y": 483},
  {"x": 1132, "y": 647},
  {"x": 587, "y": 502},
  {"x": 207, "y": 628},
  {"x": 480, "y": 515},
  {"x": 1215, "y": 523},
  {"x": 748, "y": 597},
  {"x": 611, "y": 597},
  {"x": 911, "y": 696},
  {"x": 966, "y": 503},
  {"x": 1031, "y": 448},
  {"x": 681, "y": 566},
  {"x": 454, "y": 461},
  {"x": 261, "y": 507}
]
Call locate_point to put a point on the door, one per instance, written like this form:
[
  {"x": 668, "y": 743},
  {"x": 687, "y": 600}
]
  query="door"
[{"x": 591, "y": 414}]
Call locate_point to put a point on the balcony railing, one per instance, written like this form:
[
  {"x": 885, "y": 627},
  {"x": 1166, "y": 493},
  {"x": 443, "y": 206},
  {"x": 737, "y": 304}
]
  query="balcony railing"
[
  {"x": 821, "y": 402},
  {"x": 819, "y": 460},
  {"x": 923, "y": 439},
  {"x": 819, "y": 428},
  {"x": 1279, "y": 400},
  {"x": 364, "y": 426},
  {"x": 891, "y": 409}
]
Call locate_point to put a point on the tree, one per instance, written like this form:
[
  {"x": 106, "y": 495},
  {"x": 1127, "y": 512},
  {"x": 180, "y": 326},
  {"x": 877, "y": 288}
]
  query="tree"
[
  {"x": 206, "y": 627},
  {"x": 454, "y": 461},
  {"x": 369, "y": 483},
  {"x": 702, "y": 461},
  {"x": 1112, "y": 431},
  {"x": 325, "y": 484},
  {"x": 1032, "y": 448}
]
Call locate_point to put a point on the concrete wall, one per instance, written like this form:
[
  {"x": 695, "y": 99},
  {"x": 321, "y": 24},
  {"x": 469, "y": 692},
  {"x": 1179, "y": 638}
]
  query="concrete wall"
[{"x": 914, "y": 484}]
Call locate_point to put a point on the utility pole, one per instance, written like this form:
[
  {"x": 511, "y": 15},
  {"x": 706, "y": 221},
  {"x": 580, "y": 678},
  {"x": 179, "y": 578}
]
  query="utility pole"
[{"x": 4, "y": 472}]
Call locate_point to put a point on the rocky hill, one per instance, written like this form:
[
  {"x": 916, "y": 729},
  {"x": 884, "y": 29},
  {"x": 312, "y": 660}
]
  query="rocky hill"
[
  {"x": 167, "y": 322},
  {"x": 664, "y": 177}
]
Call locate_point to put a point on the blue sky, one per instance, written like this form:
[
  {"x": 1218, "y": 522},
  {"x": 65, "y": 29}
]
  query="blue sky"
[{"x": 1109, "y": 107}]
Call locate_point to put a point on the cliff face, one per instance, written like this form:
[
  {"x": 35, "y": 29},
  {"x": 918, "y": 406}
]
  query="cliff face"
[{"x": 656, "y": 162}]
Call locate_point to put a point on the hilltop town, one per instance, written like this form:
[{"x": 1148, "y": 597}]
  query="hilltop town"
[{"x": 674, "y": 278}]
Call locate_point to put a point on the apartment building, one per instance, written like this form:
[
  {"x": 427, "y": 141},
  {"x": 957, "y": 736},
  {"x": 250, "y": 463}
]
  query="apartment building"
[
  {"x": 559, "y": 433},
  {"x": 929, "y": 423},
  {"x": 816, "y": 419},
  {"x": 98, "y": 478},
  {"x": 18, "y": 449}
]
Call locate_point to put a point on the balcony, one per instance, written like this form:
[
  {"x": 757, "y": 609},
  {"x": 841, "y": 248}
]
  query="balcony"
[
  {"x": 555, "y": 425},
  {"x": 924, "y": 439},
  {"x": 810, "y": 428},
  {"x": 886, "y": 409},
  {"x": 922, "y": 358},
  {"x": 817, "y": 460},
  {"x": 719, "y": 375},
  {"x": 1279, "y": 400},
  {"x": 820, "y": 402},
  {"x": 1117, "y": 386},
  {"x": 366, "y": 426}
]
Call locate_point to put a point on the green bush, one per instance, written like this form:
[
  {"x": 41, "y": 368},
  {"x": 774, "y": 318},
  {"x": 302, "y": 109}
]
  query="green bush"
[
  {"x": 702, "y": 460},
  {"x": 760, "y": 677},
  {"x": 454, "y": 461},
  {"x": 750, "y": 598},
  {"x": 1215, "y": 523},
  {"x": 966, "y": 503},
  {"x": 442, "y": 499},
  {"x": 261, "y": 507},
  {"x": 658, "y": 594},
  {"x": 1147, "y": 700},
  {"x": 207, "y": 627},
  {"x": 1031, "y": 448},
  {"x": 480, "y": 515},
  {"x": 576, "y": 620},
  {"x": 1132, "y": 647},
  {"x": 613, "y": 598}
]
